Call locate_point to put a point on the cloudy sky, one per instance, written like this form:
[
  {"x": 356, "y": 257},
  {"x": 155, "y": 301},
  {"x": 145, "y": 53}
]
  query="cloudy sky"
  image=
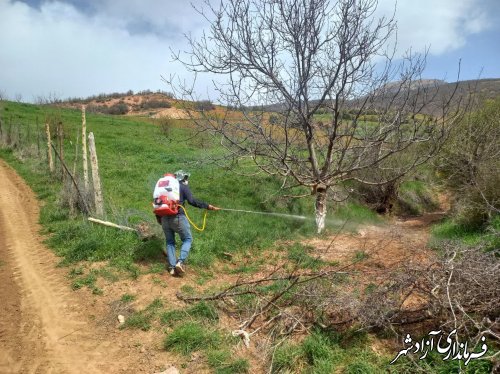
[{"x": 69, "y": 48}]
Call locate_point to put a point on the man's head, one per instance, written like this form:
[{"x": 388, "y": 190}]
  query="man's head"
[{"x": 182, "y": 176}]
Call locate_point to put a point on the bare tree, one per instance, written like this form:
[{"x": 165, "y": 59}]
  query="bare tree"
[{"x": 307, "y": 58}]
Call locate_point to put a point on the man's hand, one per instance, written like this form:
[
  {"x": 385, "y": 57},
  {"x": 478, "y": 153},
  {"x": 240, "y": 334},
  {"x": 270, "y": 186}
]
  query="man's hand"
[{"x": 211, "y": 207}]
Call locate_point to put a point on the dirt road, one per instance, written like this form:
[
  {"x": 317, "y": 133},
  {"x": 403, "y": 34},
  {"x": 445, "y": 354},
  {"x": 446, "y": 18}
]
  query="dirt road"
[{"x": 43, "y": 326}]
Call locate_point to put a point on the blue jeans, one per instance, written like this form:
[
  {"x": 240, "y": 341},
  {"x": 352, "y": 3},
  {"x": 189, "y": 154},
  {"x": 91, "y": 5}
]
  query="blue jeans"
[{"x": 180, "y": 225}]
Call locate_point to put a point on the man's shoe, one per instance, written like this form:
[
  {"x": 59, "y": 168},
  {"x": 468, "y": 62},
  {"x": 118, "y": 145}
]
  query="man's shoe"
[
  {"x": 171, "y": 271},
  {"x": 179, "y": 268}
]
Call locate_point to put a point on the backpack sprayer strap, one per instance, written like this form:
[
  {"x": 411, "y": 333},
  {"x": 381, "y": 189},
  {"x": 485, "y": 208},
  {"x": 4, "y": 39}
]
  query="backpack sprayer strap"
[{"x": 191, "y": 222}]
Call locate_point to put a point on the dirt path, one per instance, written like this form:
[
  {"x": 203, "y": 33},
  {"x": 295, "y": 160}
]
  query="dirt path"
[
  {"x": 386, "y": 245},
  {"x": 44, "y": 328},
  {"x": 376, "y": 254}
]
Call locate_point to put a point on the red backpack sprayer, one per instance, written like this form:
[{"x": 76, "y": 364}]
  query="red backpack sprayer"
[{"x": 166, "y": 202}]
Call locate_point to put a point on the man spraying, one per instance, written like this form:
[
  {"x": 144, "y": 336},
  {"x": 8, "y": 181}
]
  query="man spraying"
[{"x": 169, "y": 197}]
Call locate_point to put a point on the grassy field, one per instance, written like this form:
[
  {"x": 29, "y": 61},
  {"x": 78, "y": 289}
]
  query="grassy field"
[{"x": 133, "y": 153}]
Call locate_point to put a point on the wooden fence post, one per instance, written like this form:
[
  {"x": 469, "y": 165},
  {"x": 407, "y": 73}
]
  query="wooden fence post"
[
  {"x": 84, "y": 151},
  {"x": 60, "y": 141},
  {"x": 37, "y": 138},
  {"x": 99, "y": 206},
  {"x": 9, "y": 133},
  {"x": 18, "y": 140},
  {"x": 28, "y": 134},
  {"x": 71, "y": 198},
  {"x": 84, "y": 203},
  {"x": 76, "y": 152},
  {"x": 49, "y": 148}
]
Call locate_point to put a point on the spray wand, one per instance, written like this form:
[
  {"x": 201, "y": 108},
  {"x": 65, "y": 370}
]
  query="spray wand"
[
  {"x": 283, "y": 215},
  {"x": 292, "y": 216}
]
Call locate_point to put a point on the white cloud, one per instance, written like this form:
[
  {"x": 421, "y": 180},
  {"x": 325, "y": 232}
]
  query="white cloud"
[
  {"x": 441, "y": 25},
  {"x": 178, "y": 15},
  {"x": 115, "y": 46},
  {"x": 60, "y": 50}
]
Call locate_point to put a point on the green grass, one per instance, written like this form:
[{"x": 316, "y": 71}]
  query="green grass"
[
  {"x": 127, "y": 298},
  {"x": 223, "y": 362},
  {"x": 195, "y": 329},
  {"x": 88, "y": 281},
  {"x": 140, "y": 321},
  {"x": 299, "y": 255},
  {"x": 133, "y": 154},
  {"x": 414, "y": 198},
  {"x": 316, "y": 354},
  {"x": 350, "y": 352},
  {"x": 143, "y": 319},
  {"x": 353, "y": 212},
  {"x": 202, "y": 312},
  {"x": 451, "y": 230},
  {"x": 190, "y": 337},
  {"x": 74, "y": 272},
  {"x": 360, "y": 255}
]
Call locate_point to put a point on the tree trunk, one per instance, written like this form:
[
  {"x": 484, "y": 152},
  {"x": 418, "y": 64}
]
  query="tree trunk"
[{"x": 320, "y": 209}]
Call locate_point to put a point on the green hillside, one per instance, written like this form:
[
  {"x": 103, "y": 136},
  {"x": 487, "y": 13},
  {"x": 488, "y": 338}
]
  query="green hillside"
[{"x": 133, "y": 153}]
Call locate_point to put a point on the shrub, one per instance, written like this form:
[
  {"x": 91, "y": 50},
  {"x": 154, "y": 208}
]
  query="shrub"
[
  {"x": 153, "y": 104},
  {"x": 469, "y": 166},
  {"x": 166, "y": 126},
  {"x": 204, "y": 105},
  {"x": 273, "y": 119},
  {"x": 117, "y": 109}
]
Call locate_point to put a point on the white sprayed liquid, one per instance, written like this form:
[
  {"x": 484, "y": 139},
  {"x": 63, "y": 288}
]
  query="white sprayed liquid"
[
  {"x": 292, "y": 216},
  {"x": 332, "y": 222}
]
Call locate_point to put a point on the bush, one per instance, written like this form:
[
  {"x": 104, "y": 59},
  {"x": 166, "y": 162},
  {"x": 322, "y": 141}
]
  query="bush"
[
  {"x": 273, "y": 119},
  {"x": 153, "y": 104},
  {"x": 166, "y": 125},
  {"x": 469, "y": 166},
  {"x": 117, "y": 109},
  {"x": 204, "y": 105}
]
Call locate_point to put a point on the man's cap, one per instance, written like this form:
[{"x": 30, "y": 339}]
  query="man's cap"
[{"x": 182, "y": 175}]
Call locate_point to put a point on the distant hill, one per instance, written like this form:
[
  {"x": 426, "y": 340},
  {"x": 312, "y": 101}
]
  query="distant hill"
[
  {"x": 439, "y": 91},
  {"x": 162, "y": 104},
  {"x": 483, "y": 89},
  {"x": 144, "y": 103}
]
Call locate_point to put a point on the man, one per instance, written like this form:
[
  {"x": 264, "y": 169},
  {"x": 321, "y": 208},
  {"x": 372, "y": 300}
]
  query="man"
[{"x": 179, "y": 224}]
